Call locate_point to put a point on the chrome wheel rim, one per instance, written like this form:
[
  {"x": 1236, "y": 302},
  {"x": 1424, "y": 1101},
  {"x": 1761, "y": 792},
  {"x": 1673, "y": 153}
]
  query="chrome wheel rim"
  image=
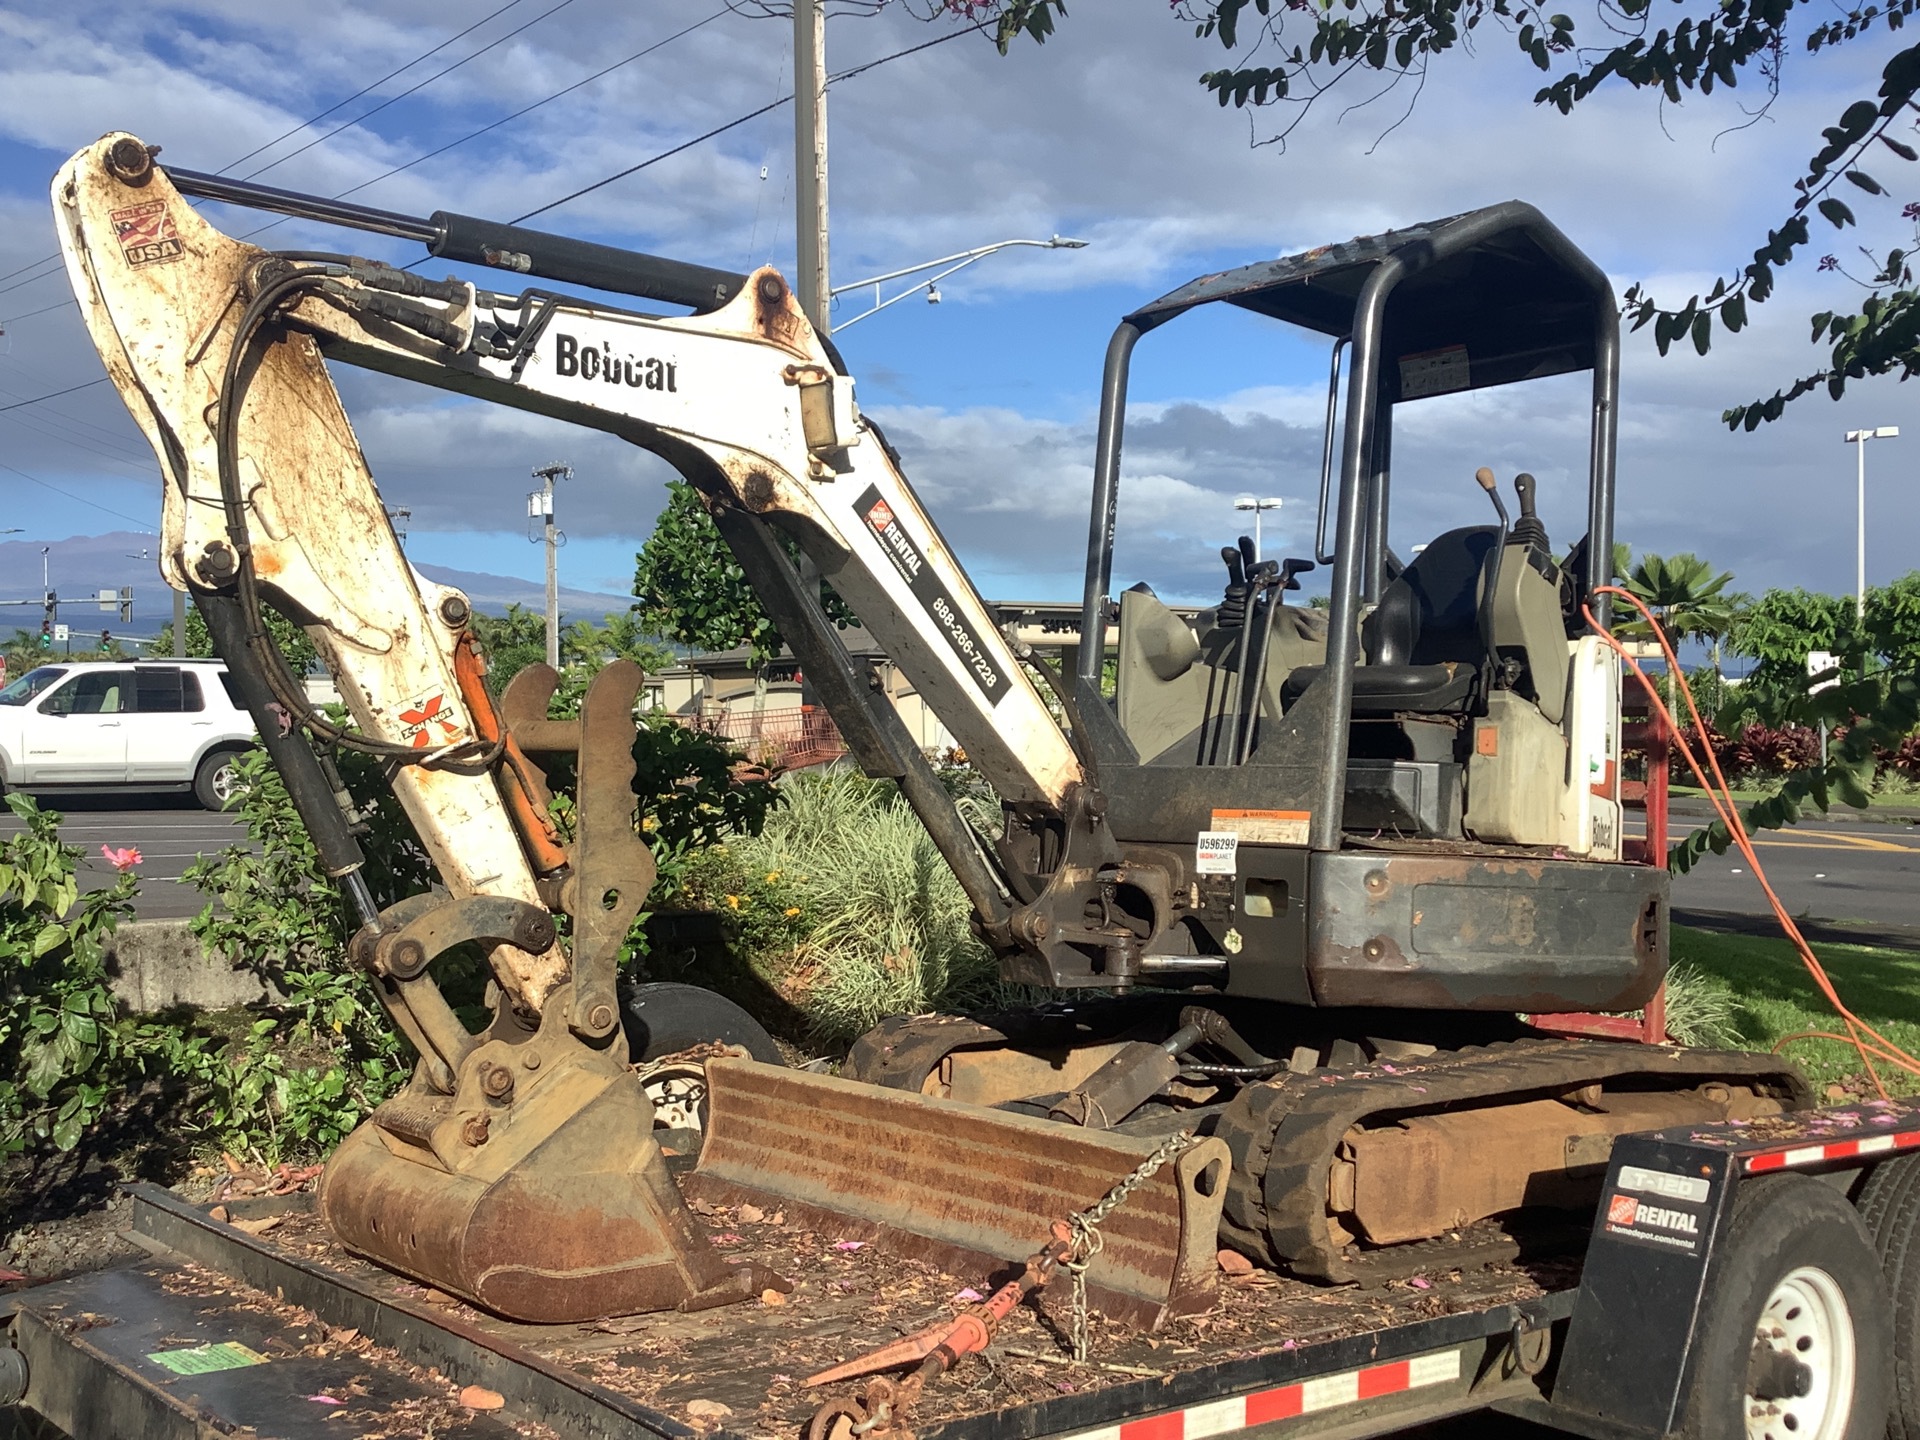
[
  {"x": 1804, "y": 1341},
  {"x": 225, "y": 783}
]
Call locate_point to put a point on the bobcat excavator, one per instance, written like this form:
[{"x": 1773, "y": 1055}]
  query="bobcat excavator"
[{"x": 1299, "y": 879}]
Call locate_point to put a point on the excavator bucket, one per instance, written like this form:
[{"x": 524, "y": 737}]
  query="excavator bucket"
[
  {"x": 962, "y": 1185},
  {"x": 562, "y": 1211}
]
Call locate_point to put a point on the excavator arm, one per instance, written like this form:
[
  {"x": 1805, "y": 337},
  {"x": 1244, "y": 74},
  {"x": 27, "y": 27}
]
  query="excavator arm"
[{"x": 517, "y": 1168}]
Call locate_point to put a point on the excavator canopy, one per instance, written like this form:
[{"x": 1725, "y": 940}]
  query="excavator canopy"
[{"x": 1498, "y": 289}]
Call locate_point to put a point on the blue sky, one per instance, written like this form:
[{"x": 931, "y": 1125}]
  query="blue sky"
[{"x": 1103, "y": 133}]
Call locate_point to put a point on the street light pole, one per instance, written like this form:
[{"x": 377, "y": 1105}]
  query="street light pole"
[
  {"x": 1859, "y": 438},
  {"x": 1248, "y": 502},
  {"x": 541, "y": 503}
]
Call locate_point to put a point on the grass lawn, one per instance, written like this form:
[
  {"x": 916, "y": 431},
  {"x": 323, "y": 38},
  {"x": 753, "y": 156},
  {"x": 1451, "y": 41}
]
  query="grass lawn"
[
  {"x": 1774, "y": 996},
  {"x": 1748, "y": 797}
]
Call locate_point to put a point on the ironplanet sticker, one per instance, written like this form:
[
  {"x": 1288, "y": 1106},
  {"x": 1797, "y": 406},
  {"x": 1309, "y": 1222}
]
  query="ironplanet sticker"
[{"x": 911, "y": 561}]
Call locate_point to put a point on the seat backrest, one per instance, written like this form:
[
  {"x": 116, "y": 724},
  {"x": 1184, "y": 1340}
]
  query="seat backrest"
[{"x": 1443, "y": 589}]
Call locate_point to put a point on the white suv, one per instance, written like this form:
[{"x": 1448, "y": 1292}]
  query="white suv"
[{"x": 124, "y": 725}]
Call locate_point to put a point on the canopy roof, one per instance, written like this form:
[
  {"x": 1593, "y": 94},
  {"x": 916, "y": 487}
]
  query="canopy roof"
[{"x": 1492, "y": 296}]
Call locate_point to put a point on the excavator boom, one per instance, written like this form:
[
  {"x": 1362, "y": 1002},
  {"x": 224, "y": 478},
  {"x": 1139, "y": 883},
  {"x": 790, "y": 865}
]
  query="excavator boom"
[{"x": 517, "y": 1168}]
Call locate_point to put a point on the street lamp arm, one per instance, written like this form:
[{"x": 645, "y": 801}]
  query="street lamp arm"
[
  {"x": 1058, "y": 242},
  {"x": 911, "y": 290}
]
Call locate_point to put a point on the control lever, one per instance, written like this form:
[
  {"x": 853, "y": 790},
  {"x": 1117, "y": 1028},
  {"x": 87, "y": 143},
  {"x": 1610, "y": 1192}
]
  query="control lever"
[
  {"x": 1490, "y": 576},
  {"x": 1263, "y": 583},
  {"x": 1291, "y": 569},
  {"x": 1528, "y": 530},
  {"x": 1233, "y": 605}
]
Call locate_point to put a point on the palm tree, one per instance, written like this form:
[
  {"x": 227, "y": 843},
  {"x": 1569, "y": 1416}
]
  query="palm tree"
[{"x": 1688, "y": 598}]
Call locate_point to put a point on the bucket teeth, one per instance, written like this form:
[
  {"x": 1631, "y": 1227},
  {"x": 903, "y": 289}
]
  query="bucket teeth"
[
  {"x": 960, "y": 1184},
  {"x": 558, "y": 1209}
]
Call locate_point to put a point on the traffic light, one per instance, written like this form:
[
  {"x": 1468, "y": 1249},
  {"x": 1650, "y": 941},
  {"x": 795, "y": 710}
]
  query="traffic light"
[
  {"x": 46, "y": 635},
  {"x": 106, "y": 639},
  {"x": 126, "y": 604}
]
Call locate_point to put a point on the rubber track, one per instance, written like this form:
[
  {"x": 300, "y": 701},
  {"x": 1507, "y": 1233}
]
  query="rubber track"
[
  {"x": 1283, "y": 1133},
  {"x": 1890, "y": 1206}
]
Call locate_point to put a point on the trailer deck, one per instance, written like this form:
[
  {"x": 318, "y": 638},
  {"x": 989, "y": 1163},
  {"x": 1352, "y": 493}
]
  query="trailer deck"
[{"x": 331, "y": 1345}]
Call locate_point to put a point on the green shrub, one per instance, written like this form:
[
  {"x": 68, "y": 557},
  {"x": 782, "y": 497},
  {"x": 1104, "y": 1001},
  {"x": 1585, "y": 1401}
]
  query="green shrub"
[{"x": 65, "y": 1051}]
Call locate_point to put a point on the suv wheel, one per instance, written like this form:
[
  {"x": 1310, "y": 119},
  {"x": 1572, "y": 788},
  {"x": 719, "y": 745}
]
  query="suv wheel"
[{"x": 218, "y": 780}]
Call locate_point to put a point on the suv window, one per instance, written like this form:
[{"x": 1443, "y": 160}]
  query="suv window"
[
  {"x": 92, "y": 692},
  {"x": 233, "y": 690},
  {"x": 35, "y": 682},
  {"x": 166, "y": 691}
]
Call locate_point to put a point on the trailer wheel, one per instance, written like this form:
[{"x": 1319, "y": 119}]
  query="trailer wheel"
[
  {"x": 664, "y": 1018},
  {"x": 1890, "y": 1205},
  {"x": 1793, "y": 1342}
]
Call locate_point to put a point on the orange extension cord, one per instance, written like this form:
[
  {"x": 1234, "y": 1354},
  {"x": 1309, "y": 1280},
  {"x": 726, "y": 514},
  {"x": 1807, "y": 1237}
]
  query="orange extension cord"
[{"x": 1869, "y": 1042}]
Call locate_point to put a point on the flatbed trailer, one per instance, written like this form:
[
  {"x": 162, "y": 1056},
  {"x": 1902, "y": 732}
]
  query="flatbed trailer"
[{"x": 1695, "y": 1307}]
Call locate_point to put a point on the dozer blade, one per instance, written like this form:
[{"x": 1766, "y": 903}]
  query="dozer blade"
[
  {"x": 563, "y": 1210},
  {"x": 962, "y": 1185}
]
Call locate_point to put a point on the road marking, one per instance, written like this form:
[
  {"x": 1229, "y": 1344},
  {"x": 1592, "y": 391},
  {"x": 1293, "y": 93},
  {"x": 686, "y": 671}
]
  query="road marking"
[{"x": 1815, "y": 841}]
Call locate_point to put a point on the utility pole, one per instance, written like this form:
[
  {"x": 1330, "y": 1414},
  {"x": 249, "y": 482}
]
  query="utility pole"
[
  {"x": 540, "y": 504},
  {"x": 810, "y": 157}
]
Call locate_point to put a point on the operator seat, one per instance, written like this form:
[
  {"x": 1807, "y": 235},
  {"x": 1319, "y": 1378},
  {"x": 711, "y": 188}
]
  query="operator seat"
[{"x": 1424, "y": 642}]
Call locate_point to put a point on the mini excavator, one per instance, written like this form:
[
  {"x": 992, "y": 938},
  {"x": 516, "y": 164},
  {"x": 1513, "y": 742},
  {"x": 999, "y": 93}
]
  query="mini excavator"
[{"x": 1297, "y": 881}]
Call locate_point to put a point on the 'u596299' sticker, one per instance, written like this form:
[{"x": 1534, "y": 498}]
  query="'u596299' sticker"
[
  {"x": 1216, "y": 852},
  {"x": 146, "y": 234}
]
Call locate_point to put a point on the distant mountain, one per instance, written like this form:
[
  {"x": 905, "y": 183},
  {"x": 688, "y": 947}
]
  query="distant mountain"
[{"x": 80, "y": 567}]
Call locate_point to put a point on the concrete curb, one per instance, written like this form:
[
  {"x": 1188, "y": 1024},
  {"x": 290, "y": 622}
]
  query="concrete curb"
[{"x": 158, "y": 965}]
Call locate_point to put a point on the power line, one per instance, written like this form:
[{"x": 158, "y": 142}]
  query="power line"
[
  {"x": 45, "y": 259},
  {"x": 750, "y": 115},
  {"x": 52, "y": 394},
  {"x": 529, "y": 109},
  {"x": 395, "y": 99},
  {"x": 108, "y": 509},
  {"x": 366, "y": 89},
  {"x": 31, "y": 265},
  {"x": 28, "y": 315},
  {"x": 31, "y": 279}
]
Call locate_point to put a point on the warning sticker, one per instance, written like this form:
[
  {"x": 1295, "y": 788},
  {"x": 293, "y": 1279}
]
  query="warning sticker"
[
  {"x": 204, "y": 1359},
  {"x": 1216, "y": 852},
  {"x": 146, "y": 234},
  {"x": 1434, "y": 372},
  {"x": 1265, "y": 827}
]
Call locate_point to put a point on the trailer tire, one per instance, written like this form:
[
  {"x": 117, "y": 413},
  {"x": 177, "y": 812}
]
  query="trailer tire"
[
  {"x": 1890, "y": 1206},
  {"x": 1796, "y": 1265},
  {"x": 664, "y": 1018}
]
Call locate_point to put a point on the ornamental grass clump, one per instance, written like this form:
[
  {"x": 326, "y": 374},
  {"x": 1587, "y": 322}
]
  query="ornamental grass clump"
[{"x": 889, "y": 929}]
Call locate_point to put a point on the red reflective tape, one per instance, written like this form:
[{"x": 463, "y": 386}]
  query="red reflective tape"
[
  {"x": 1384, "y": 1380},
  {"x": 1156, "y": 1427},
  {"x": 1281, "y": 1404},
  {"x": 1864, "y": 1145}
]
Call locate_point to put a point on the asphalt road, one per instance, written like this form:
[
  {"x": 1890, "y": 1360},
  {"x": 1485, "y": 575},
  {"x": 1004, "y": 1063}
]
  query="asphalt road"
[
  {"x": 1860, "y": 876},
  {"x": 169, "y": 831}
]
